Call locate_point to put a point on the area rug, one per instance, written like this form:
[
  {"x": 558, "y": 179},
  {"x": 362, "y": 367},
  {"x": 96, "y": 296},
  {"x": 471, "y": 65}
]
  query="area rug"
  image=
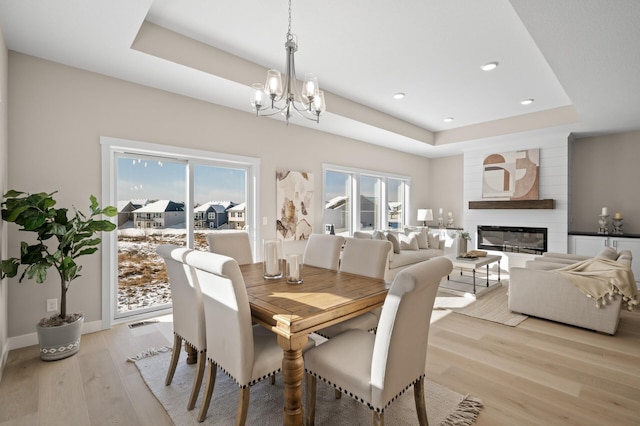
[
  {"x": 491, "y": 306},
  {"x": 444, "y": 406}
]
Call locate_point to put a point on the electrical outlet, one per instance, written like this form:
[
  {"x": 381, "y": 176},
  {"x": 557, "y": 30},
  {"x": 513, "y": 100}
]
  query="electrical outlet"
[{"x": 52, "y": 305}]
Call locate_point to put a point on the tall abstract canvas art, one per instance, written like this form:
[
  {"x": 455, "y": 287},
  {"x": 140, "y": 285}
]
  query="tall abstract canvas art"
[
  {"x": 511, "y": 175},
  {"x": 294, "y": 198}
]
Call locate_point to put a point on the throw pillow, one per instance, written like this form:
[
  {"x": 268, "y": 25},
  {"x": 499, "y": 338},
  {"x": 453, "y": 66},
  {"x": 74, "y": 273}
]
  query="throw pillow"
[
  {"x": 362, "y": 235},
  {"x": 408, "y": 242},
  {"x": 434, "y": 241},
  {"x": 394, "y": 241},
  {"x": 421, "y": 236},
  {"x": 379, "y": 235}
]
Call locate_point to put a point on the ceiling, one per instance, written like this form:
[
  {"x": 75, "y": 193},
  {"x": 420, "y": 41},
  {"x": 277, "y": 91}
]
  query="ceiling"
[{"x": 578, "y": 59}]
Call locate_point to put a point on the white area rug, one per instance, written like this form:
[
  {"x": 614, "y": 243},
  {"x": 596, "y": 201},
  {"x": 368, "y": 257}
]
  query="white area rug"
[
  {"x": 491, "y": 306},
  {"x": 444, "y": 406}
]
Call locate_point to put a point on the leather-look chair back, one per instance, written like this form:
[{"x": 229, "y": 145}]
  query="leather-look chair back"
[
  {"x": 235, "y": 244},
  {"x": 366, "y": 257},
  {"x": 397, "y": 353},
  {"x": 246, "y": 353},
  {"x": 188, "y": 313},
  {"x": 400, "y": 349},
  {"x": 323, "y": 251},
  {"x": 227, "y": 312}
]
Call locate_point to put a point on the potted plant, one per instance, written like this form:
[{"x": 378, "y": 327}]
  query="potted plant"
[{"x": 60, "y": 240}]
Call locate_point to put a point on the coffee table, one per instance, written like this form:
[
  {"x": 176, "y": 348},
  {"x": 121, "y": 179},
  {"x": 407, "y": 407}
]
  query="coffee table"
[{"x": 473, "y": 264}]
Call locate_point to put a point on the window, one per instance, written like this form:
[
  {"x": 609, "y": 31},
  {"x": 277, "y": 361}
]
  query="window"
[
  {"x": 357, "y": 200},
  {"x": 167, "y": 192}
]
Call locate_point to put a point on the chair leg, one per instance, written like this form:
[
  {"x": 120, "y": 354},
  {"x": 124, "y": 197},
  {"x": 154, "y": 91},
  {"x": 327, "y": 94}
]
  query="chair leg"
[
  {"x": 421, "y": 409},
  {"x": 208, "y": 390},
  {"x": 337, "y": 393},
  {"x": 243, "y": 406},
  {"x": 378, "y": 418},
  {"x": 310, "y": 399},
  {"x": 273, "y": 379},
  {"x": 177, "y": 344},
  {"x": 197, "y": 381}
]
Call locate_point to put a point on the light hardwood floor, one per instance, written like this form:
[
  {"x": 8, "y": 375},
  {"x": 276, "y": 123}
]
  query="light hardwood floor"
[{"x": 539, "y": 373}]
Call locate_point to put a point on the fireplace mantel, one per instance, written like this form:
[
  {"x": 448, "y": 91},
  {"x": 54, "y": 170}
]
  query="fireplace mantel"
[{"x": 513, "y": 204}]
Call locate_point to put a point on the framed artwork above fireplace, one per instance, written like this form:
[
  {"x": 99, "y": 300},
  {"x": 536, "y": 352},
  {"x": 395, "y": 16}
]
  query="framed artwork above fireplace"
[{"x": 511, "y": 175}]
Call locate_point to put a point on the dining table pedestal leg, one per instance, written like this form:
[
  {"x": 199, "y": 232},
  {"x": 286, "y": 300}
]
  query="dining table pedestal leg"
[
  {"x": 192, "y": 354},
  {"x": 292, "y": 375}
]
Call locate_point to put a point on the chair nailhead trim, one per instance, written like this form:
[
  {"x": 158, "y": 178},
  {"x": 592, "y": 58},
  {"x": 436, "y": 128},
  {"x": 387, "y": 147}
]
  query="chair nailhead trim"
[
  {"x": 186, "y": 342},
  {"x": 251, "y": 383},
  {"x": 362, "y": 401}
]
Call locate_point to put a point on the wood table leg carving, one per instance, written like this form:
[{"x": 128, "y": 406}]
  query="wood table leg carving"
[
  {"x": 192, "y": 354},
  {"x": 292, "y": 375}
]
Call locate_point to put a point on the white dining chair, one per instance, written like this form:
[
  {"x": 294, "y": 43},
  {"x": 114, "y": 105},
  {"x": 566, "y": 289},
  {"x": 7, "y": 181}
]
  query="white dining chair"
[
  {"x": 377, "y": 369},
  {"x": 361, "y": 257},
  {"x": 244, "y": 352},
  {"x": 188, "y": 314},
  {"x": 323, "y": 251},
  {"x": 235, "y": 244}
]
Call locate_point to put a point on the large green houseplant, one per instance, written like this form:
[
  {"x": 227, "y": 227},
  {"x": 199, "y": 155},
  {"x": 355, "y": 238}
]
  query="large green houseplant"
[{"x": 60, "y": 240}]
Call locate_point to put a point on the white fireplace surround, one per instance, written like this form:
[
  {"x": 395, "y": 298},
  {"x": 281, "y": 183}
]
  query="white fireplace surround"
[{"x": 553, "y": 183}]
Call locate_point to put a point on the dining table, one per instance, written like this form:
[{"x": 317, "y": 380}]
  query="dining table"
[{"x": 293, "y": 311}]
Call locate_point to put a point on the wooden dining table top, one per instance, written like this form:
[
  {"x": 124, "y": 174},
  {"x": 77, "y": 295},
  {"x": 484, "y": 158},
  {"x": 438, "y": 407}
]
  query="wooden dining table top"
[{"x": 325, "y": 297}]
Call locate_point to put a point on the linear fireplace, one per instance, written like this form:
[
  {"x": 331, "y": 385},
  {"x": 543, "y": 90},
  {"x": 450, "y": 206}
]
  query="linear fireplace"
[{"x": 517, "y": 239}]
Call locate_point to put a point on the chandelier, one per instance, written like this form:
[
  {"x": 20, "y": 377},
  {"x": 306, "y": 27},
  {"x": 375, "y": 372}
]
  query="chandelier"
[{"x": 287, "y": 98}]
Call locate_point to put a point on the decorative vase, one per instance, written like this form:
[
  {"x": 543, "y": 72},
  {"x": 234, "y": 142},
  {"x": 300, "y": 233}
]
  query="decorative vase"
[
  {"x": 61, "y": 341},
  {"x": 462, "y": 246}
]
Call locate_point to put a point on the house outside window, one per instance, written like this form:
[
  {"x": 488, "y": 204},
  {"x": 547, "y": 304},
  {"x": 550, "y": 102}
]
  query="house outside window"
[{"x": 356, "y": 199}]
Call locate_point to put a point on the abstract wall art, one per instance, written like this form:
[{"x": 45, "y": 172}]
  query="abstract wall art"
[
  {"x": 511, "y": 175},
  {"x": 294, "y": 200}
]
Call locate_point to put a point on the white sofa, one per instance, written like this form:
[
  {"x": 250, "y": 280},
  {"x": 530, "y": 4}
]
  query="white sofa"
[
  {"x": 539, "y": 291},
  {"x": 405, "y": 252}
]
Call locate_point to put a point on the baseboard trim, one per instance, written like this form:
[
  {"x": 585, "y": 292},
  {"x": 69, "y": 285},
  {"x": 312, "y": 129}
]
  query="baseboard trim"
[{"x": 18, "y": 342}]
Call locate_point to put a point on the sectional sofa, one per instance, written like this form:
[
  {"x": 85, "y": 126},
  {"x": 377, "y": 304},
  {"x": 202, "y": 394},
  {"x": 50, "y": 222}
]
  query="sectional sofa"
[
  {"x": 410, "y": 246},
  {"x": 540, "y": 289}
]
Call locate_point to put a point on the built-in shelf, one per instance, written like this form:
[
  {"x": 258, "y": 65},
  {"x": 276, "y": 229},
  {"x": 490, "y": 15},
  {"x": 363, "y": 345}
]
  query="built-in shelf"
[{"x": 513, "y": 204}]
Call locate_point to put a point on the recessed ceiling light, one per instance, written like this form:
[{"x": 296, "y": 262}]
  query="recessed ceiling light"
[
  {"x": 448, "y": 119},
  {"x": 398, "y": 95},
  {"x": 489, "y": 66},
  {"x": 527, "y": 102}
]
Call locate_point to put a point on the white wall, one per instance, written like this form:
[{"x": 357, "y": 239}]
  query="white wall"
[
  {"x": 4, "y": 154},
  {"x": 59, "y": 114},
  {"x": 554, "y": 183}
]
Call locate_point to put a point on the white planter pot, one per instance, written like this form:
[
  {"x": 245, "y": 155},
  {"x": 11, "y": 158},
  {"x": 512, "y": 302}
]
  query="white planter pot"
[{"x": 61, "y": 341}]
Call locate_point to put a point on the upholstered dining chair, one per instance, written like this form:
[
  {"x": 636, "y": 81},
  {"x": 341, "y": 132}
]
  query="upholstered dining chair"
[
  {"x": 234, "y": 244},
  {"x": 188, "y": 314},
  {"x": 323, "y": 251},
  {"x": 361, "y": 257},
  {"x": 244, "y": 352},
  {"x": 376, "y": 369}
]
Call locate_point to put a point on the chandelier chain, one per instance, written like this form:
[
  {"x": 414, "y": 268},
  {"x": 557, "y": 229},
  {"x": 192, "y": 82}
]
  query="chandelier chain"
[{"x": 289, "y": 36}]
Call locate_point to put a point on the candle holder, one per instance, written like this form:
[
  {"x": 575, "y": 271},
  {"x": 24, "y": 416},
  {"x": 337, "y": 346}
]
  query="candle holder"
[
  {"x": 604, "y": 224},
  {"x": 617, "y": 226},
  {"x": 441, "y": 222},
  {"x": 450, "y": 222},
  {"x": 272, "y": 265},
  {"x": 294, "y": 269}
]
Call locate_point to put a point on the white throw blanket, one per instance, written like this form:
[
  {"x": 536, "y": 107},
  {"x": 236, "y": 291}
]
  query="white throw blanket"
[{"x": 603, "y": 279}]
